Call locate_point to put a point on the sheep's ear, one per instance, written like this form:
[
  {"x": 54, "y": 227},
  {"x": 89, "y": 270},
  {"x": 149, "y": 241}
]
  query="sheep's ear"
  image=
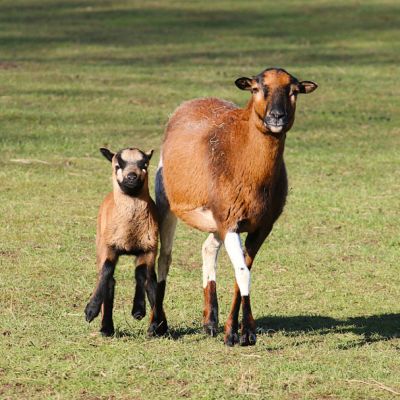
[
  {"x": 107, "y": 153},
  {"x": 149, "y": 154},
  {"x": 244, "y": 83},
  {"x": 307, "y": 86}
]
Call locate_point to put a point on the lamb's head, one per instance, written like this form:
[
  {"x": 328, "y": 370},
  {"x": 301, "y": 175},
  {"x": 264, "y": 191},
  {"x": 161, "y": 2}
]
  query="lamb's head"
[
  {"x": 274, "y": 94},
  {"x": 129, "y": 169}
]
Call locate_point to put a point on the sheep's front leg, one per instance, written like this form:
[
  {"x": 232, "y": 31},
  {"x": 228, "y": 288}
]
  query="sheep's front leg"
[
  {"x": 242, "y": 295},
  {"x": 102, "y": 298}
]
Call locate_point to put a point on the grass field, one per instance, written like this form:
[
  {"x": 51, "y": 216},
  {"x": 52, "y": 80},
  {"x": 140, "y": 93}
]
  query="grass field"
[{"x": 77, "y": 75}]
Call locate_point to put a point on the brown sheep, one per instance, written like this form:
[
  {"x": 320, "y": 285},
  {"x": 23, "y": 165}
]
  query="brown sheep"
[
  {"x": 222, "y": 171},
  {"x": 126, "y": 224}
]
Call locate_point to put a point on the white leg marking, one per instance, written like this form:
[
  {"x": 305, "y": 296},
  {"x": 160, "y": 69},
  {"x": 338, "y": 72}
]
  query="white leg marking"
[
  {"x": 167, "y": 233},
  {"x": 242, "y": 273},
  {"x": 209, "y": 251}
]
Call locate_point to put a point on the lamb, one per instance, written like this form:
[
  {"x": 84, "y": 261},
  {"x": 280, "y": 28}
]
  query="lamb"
[
  {"x": 126, "y": 225},
  {"x": 222, "y": 172}
]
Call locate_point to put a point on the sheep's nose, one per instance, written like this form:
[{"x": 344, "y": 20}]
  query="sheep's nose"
[
  {"x": 131, "y": 177},
  {"x": 277, "y": 114}
]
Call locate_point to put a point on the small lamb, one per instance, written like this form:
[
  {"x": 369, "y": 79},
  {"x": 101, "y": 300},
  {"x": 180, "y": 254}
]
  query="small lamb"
[{"x": 126, "y": 224}]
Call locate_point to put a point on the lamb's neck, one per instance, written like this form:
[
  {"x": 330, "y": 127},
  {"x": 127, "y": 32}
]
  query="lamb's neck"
[{"x": 131, "y": 204}]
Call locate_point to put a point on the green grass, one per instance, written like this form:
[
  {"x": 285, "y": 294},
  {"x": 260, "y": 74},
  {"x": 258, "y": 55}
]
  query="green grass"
[{"x": 78, "y": 75}]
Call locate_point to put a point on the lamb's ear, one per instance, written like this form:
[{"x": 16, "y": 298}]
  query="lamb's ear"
[
  {"x": 244, "y": 83},
  {"x": 107, "y": 153},
  {"x": 149, "y": 154},
  {"x": 307, "y": 86}
]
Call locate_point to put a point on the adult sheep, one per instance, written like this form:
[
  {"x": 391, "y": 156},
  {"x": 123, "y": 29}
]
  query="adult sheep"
[{"x": 222, "y": 172}]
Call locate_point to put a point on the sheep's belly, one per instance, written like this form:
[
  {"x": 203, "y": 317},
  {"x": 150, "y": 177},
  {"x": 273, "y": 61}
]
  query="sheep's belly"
[{"x": 200, "y": 218}]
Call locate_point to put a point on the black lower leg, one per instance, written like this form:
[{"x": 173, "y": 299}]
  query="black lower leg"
[
  {"x": 107, "y": 324},
  {"x": 158, "y": 324},
  {"x": 93, "y": 308},
  {"x": 139, "y": 300},
  {"x": 151, "y": 286},
  {"x": 248, "y": 331}
]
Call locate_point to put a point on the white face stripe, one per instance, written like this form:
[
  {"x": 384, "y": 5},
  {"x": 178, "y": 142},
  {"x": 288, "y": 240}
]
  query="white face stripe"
[
  {"x": 133, "y": 155},
  {"x": 233, "y": 247},
  {"x": 209, "y": 252},
  {"x": 120, "y": 177}
]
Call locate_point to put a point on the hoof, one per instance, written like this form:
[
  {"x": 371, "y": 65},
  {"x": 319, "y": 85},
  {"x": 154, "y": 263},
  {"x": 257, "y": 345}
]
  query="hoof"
[
  {"x": 107, "y": 331},
  {"x": 248, "y": 338},
  {"x": 211, "y": 329},
  {"x": 231, "y": 339},
  {"x": 157, "y": 329},
  {"x": 138, "y": 311},
  {"x": 91, "y": 312},
  {"x": 138, "y": 315}
]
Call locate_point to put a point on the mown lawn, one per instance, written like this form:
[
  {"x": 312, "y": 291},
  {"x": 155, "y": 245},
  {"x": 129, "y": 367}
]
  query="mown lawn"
[{"x": 78, "y": 75}]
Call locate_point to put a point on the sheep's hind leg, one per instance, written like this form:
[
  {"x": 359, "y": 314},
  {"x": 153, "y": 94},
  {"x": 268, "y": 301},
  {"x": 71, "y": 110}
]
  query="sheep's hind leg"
[
  {"x": 167, "y": 225},
  {"x": 210, "y": 251},
  {"x": 158, "y": 323}
]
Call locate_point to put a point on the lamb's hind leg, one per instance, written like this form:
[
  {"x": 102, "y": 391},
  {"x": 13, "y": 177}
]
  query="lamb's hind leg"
[
  {"x": 139, "y": 299},
  {"x": 146, "y": 282},
  {"x": 167, "y": 226},
  {"x": 210, "y": 250}
]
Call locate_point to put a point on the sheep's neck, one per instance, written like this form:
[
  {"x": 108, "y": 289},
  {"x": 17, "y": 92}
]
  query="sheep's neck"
[{"x": 263, "y": 151}]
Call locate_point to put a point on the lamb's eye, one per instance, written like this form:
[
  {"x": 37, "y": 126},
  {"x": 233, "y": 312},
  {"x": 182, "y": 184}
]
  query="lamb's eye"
[{"x": 117, "y": 167}]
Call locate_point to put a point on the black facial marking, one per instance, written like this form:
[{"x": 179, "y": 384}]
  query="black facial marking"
[
  {"x": 131, "y": 189},
  {"x": 121, "y": 162},
  {"x": 142, "y": 164}
]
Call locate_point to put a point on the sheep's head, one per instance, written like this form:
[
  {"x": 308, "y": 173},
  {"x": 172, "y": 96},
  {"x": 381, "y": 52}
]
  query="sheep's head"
[
  {"x": 129, "y": 169},
  {"x": 274, "y": 94}
]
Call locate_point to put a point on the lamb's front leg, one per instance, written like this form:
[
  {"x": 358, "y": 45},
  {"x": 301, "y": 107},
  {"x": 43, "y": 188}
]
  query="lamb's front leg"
[
  {"x": 103, "y": 296},
  {"x": 242, "y": 295}
]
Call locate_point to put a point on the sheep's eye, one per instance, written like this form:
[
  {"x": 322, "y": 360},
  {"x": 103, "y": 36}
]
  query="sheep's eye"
[
  {"x": 254, "y": 90},
  {"x": 117, "y": 167}
]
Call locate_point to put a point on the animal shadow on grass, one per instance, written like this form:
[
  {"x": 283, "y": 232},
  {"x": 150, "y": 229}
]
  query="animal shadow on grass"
[
  {"x": 370, "y": 329},
  {"x": 173, "y": 333},
  {"x": 374, "y": 328}
]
